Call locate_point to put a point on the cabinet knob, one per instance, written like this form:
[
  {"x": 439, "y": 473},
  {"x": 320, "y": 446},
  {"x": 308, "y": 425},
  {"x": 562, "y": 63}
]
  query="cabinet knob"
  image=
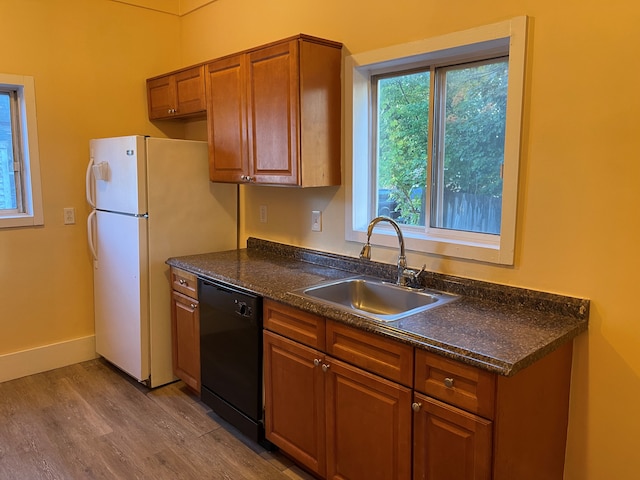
[
  {"x": 182, "y": 281},
  {"x": 193, "y": 305},
  {"x": 448, "y": 382},
  {"x": 416, "y": 406},
  {"x": 317, "y": 361},
  {"x": 325, "y": 367}
]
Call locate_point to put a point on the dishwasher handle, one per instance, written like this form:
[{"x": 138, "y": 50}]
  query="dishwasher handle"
[{"x": 242, "y": 308}]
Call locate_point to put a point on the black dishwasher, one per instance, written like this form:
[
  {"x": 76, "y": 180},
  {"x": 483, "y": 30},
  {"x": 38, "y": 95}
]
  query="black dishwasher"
[{"x": 231, "y": 355}]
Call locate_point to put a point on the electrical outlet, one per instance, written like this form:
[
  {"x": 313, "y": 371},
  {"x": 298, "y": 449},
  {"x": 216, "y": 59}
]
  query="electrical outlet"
[
  {"x": 69, "y": 216},
  {"x": 316, "y": 221},
  {"x": 263, "y": 214}
]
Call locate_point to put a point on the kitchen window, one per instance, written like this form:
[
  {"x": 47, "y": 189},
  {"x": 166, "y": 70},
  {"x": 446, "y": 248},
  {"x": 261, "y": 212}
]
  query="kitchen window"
[
  {"x": 20, "y": 196},
  {"x": 435, "y": 128}
]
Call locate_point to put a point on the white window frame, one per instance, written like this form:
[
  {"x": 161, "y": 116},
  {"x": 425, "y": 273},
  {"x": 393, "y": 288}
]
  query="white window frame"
[
  {"x": 30, "y": 161},
  {"x": 507, "y": 36}
]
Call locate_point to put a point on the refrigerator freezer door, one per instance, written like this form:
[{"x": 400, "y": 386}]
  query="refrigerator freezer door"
[
  {"x": 118, "y": 174},
  {"x": 121, "y": 292}
]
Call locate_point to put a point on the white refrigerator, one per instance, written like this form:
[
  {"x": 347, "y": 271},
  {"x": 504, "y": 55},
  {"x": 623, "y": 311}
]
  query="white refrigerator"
[{"x": 152, "y": 199}]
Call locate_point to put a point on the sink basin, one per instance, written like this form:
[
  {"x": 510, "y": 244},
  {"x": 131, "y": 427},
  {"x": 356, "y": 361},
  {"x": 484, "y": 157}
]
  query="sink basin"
[{"x": 374, "y": 298}]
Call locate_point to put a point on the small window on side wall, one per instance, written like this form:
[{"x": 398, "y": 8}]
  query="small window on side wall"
[
  {"x": 436, "y": 141},
  {"x": 20, "y": 195}
]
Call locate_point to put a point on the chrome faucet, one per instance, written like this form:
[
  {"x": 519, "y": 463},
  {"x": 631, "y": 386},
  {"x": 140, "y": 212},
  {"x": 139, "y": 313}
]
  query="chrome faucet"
[{"x": 404, "y": 273}]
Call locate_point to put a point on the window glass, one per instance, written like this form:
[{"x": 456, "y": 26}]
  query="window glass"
[
  {"x": 469, "y": 148},
  {"x": 7, "y": 176},
  {"x": 403, "y": 128}
]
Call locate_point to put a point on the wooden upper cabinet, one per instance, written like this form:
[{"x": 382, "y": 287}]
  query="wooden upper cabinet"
[
  {"x": 274, "y": 114},
  {"x": 226, "y": 119},
  {"x": 177, "y": 95},
  {"x": 273, "y": 120}
]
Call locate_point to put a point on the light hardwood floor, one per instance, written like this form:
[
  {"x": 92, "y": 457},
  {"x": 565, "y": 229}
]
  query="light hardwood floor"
[{"x": 90, "y": 421}]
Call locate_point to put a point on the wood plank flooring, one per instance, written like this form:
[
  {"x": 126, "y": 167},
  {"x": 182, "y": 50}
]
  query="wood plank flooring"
[{"x": 90, "y": 421}]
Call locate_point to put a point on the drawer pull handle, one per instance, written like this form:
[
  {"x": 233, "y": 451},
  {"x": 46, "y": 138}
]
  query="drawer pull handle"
[
  {"x": 317, "y": 361},
  {"x": 182, "y": 281},
  {"x": 416, "y": 406},
  {"x": 193, "y": 306},
  {"x": 448, "y": 382},
  {"x": 325, "y": 367}
]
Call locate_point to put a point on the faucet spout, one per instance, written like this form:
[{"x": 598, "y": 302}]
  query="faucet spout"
[{"x": 402, "y": 259}]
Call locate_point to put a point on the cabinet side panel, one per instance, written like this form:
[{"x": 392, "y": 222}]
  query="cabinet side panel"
[
  {"x": 532, "y": 415},
  {"x": 320, "y": 104}
]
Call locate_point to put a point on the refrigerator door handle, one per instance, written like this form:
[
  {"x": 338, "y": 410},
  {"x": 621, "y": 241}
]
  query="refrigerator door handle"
[
  {"x": 89, "y": 185},
  {"x": 90, "y": 228}
]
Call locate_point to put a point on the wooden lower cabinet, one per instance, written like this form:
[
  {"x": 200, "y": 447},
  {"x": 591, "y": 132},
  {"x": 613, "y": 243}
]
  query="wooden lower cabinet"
[
  {"x": 349, "y": 404},
  {"x": 295, "y": 401},
  {"x": 337, "y": 420},
  {"x": 185, "y": 326},
  {"x": 368, "y": 423},
  {"x": 449, "y": 443}
]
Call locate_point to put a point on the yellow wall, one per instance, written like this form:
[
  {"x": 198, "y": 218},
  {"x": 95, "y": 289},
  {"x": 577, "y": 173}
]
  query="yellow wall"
[
  {"x": 578, "y": 216},
  {"x": 579, "y": 208},
  {"x": 89, "y": 60}
]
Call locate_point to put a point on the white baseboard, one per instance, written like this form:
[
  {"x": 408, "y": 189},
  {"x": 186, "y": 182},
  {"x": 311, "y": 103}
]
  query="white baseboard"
[{"x": 40, "y": 359}]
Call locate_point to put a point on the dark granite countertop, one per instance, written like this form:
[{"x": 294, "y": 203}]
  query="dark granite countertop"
[{"x": 498, "y": 328}]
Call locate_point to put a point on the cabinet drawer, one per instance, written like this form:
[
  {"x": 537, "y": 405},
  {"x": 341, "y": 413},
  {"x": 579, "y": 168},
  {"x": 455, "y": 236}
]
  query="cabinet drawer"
[
  {"x": 452, "y": 382},
  {"x": 295, "y": 324},
  {"x": 184, "y": 282},
  {"x": 387, "y": 358}
]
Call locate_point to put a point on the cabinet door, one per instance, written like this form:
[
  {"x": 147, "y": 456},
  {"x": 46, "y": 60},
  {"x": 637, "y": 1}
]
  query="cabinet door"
[
  {"x": 175, "y": 95},
  {"x": 190, "y": 96},
  {"x": 294, "y": 400},
  {"x": 227, "y": 119},
  {"x": 274, "y": 114},
  {"x": 185, "y": 326},
  {"x": 161, "y": 94},
  {"x": 368, "y": 425},
  {"x": 449, "y": 443}
]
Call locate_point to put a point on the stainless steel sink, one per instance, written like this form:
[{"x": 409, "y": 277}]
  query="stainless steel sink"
[{"x": 374, "y": 298}]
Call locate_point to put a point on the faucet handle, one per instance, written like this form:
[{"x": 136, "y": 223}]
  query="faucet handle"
[
  {"x": 413, "y": 275},
  {"x": 416, "y": 275}
]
